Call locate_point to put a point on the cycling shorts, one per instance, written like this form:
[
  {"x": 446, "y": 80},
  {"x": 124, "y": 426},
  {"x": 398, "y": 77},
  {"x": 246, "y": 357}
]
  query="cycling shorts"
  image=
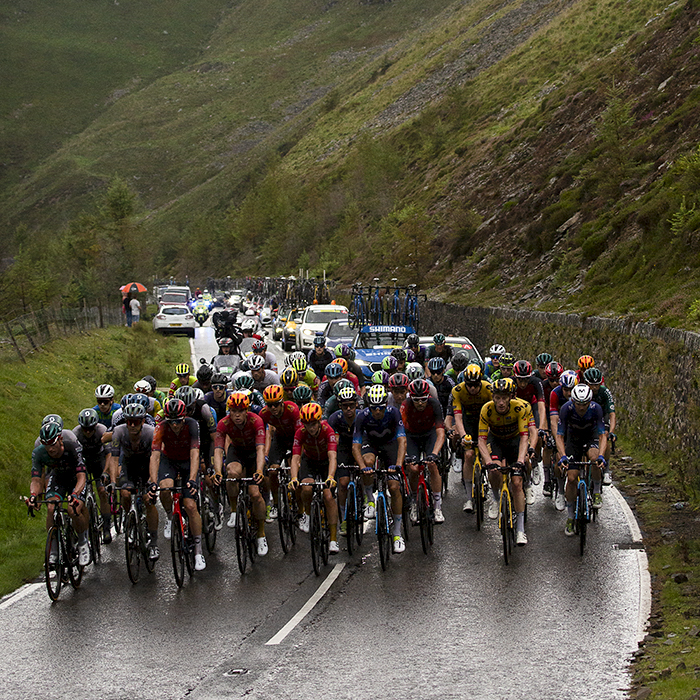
[
  {"x": 134, "y": 470},
  {"x": 388, "y": 452},
  {"x": 313, "y": 469},
  {"x": 344, "y": 457},
  {"x": 248, "y": 460},
  {"x": 578, "y": 448},
  {"x": 95, "y": 465},
  {"x": 172, "y": 468},
  {"x": 61, "y": 484},
  {"x": 279, "y": 447},
  {"x": 504, "y": 449},
  {"x": 420, "y": 443}
]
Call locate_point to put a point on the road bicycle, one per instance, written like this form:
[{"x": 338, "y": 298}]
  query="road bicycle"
[
  {"x": 443, "y": 464},
  {"x": 319, "y": 530},
  {"x": 405, "y": 503},
  {"x": 209, "y": 511},
  {"x": 376, "y": 310},
  {"x": 479, "y": 482},
  {"x": 181, "y": 538},
  {"x": 395, "y": 313},
  {"x": 383, "y": 516},
  {"x": 425, "y": 506},
  {"x": 506, "y": 522},
  {"x": 549, "y": 465},
  {"x": 357, "y": 313},
  {"x": 411, "y": 312},
  {"x": 246, "y": 525},
  {"x": 287, "y": 511},
  {"x": 354, "y": 508},
  {"x": 136, "y": 538},
  {"x": 94, "y": 522},
  {"x": 61, "y": 551},
  {"x": 116, "y": 510},
  {"x": 583, "y": 510}
]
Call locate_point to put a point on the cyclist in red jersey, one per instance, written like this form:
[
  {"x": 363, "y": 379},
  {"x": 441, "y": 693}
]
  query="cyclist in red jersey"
[
  {"x": 245, "y": 458},
  {"x": 314, "y": 455}
]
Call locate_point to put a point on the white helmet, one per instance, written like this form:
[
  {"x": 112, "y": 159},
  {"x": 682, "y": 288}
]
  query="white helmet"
[
  {"x": 106, "y": 391},
  {"x": 142, "y": 387},
  {"x": 581, "y": 393},
  {"x": 256, "y": 362}
]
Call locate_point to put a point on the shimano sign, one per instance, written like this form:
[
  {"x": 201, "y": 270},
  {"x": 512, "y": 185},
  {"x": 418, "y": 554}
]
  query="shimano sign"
[{"x": 387, "y": 329}]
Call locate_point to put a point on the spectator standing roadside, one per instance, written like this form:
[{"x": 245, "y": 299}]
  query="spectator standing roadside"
[
  {"x": 126, "y": 303},
  {"x": 135, "y": 305}
]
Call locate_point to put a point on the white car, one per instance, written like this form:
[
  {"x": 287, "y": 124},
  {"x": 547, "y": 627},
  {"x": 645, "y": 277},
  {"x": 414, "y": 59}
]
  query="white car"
[
  {"x": 175, "y": 319},
  {"x": 316, "y": 318}
]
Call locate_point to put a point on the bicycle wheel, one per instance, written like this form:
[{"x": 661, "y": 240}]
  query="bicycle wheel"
[
  {"x": 582, "y": 514},
  {"x": 405, "y": 508},
  {"x": 188, "y": 542},
  {"x": 354, "y": 315},
  {"x": 177, "y": 550},
  {"x": 383, "y": 539},
  {"x": 94, "y": 531},
  {"x": 292, "y": 515},
  {"x": 283, "y": 518},
  {"x": 143, "y": 542},
  {"x": 252, "y": 536},
  {"x": 117, "y": 511},
  {"x": 75, "y": 571},
  {"x": 208, "y": 529},
  {"x": 505, "y": 523},
  {"x": 360, "y": 517},
  {"x": 423, "y": 516},
  {"x": 325, "y": 536},
  {"x": 132, "y": 547},
  {"x": 478, "y": 494},
  {"x": 416, "y": 315},
  {"x": 242, "y": 537},
  {"x": 53, "y": 567},
  {"x": 350, "y": 516},
  {"x": 444, "y": 468},
  {"x": 315, "y": 537}
]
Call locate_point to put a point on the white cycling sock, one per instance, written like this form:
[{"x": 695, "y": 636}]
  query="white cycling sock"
[
  {"x": 520, "y": 522},
  {"x": 397, "y": 524}
]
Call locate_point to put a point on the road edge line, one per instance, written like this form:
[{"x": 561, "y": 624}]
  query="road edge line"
[
  {"x": 20, "y": 593},
  {"x": 193, "y": 356}
]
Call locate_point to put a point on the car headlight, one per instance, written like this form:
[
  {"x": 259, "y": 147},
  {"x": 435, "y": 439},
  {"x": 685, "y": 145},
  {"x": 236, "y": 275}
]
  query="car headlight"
[
  {"x": 361, "y": 363},
  {"x": 308, "y": 331}
]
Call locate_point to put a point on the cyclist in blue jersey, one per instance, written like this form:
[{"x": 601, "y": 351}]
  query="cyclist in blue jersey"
[
  {"x": 442, "y": 383},
  {"x": 106, "y": 407},
  {"x": 218, "y": 395},
  {"x": 492, "y": 363}
]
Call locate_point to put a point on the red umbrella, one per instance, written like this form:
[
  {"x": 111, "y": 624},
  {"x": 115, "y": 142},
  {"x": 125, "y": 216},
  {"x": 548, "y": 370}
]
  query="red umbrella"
[{"x": 133, "y": 287}]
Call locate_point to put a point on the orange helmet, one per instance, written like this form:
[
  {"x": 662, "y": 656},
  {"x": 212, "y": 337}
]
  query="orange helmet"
[
  {"x": 273, "y": 393},
  {"x": 342, "y": 362},
  {"x": 238, "y": 401},
  {"x": 585, "y": 362},
  {"x": 311, "y": 412}
]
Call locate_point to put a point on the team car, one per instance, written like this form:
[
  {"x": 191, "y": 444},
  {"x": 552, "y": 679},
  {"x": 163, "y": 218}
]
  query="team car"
[{"x": 373, "y": 343}]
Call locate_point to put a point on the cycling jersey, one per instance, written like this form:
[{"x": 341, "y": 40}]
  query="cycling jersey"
[
  {"x": 285, "y": 424},
  {"x": 176, "y": 384},
  {"x": 310, "y": 379},
  {"x": 268, "y": 378},
  {"x": 123, "y": 447},
  {"x": 378, "y": 431},
  {"x": 419, "y": 354},
  {"x": 319, "y": 361},
  {"x": 66, "y": 467},
  {"x": 325, "y": 392},
  {"x": 605, "y": 400},
  {"x": 92, "y": 445},
  {"x": 353, "y": 378},
  {"x": 176, "y": 446},
  {"x": 512, "y": 424},
  {"x": 466, "y": 404},
  {"x": 118, "y": 419},
  {"x": 533, "y": 392},
  {"x": 445, "y": 353},
  {"x": 417, "y": 422},
  {"x": 344, "y": 430},
  {"x": 246, "y": 438},
  {"x": 579, "y": 428},
  {"x": 315, "y": 447},
  {"x": 219, "y": 407},
  {"x": 444, "y": 390},
  {"x": 106, "y": 418},
  {"x": 556, "y": 399}
]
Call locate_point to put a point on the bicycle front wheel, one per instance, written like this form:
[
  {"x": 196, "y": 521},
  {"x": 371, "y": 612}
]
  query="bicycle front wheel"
[
  {"x": 94, "y": 531},
  {"x": 405, "y": 508},
  {"x": 208, "y": 528},
  {"x": 75, "y": 571},
  {"x": 383, "y": 539},
  {"x": 505, "y": 523},
  {"x": 316, "y": 537},
  {"x": 351, "y": 516},
  {"x": 423, "y": 516},
  {"x": 177, "y": 550},
  {"x": 360, "y": 515},
  {"x": 132, "y": 547},
  {"x": 582, "y": 514},
  {"x": 53, "y": 565},
  {"x": 478, "y": 494},
  {"x": 242, "y": 538},
  {"x": 283, "y": 518}
]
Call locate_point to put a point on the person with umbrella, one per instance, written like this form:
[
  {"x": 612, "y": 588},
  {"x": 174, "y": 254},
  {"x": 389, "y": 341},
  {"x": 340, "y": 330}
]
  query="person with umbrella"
[{"x": 132, "y": 306}]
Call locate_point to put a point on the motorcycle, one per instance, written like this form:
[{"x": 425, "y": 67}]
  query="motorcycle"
[{"x": 201, "y": 314}]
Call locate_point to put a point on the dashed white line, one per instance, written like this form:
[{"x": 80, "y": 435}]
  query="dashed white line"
[{"x": 307, "y": 607}]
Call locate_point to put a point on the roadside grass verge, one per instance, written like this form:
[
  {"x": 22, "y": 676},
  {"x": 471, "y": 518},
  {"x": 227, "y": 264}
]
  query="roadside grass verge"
[{"x": 61, "y": 378}]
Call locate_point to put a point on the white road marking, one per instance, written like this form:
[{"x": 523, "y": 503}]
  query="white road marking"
[
  {"x": 307, "y": 607},
  {"x": 193, "y": 356},
  {"x": 20, "y": 593},
  {"x": 644, "y": 607}
]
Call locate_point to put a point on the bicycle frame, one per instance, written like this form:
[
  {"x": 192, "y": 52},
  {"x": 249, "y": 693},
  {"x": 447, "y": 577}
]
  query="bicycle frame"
[{"x": 506, "y": 522}]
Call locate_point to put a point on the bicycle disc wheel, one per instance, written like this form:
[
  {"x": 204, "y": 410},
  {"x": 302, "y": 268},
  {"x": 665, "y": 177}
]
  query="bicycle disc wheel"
[
  {"x": 582, "y": 515},
  {"x": 423, "y": 516},
  {"x": 177, "y": 550},
  {"x": 53, "y": 570},
  {"x": 350, "y": 517},
  {"x": 383, "y": 532},
  {"x": 315, "y": 537},
  {"x": 132, "y": 547},
  {"x": 94, "y": 532},
  {"x": 75, "y": 571},
  {"x": 283, "y": 518},
  {"x": 478, "y": 499},
  {"x": 208, "y": 529},
  {"x": 504, "y": 525}
]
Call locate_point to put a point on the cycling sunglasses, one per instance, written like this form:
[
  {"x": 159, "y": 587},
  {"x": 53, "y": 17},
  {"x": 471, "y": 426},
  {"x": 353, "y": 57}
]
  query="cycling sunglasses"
[
  {"x": 218, "y": 387},
  {"x": 134, "y": 421},
  {"x": 104, "y": 401},
  {"x": 348, "y": 404},
  {"x": 174, "y": 421},
  {"x": 50, "y": 442}
]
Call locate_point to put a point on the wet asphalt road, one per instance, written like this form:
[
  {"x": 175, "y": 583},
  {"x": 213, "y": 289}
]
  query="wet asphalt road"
[{"x": 457, "y": 623}]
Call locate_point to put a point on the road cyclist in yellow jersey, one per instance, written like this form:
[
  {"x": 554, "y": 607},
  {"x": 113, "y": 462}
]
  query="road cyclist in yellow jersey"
[{"x": 182, "y": 378}]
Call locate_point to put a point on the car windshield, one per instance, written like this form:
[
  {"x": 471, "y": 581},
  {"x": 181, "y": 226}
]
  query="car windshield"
[
  {"x": 175, "y": 310},
  {"x": 174, "y": 298},
  {"x": 379, "y": 340},
  {"x": 338, "y": 330},
  {"x": 318, "y": 316}
]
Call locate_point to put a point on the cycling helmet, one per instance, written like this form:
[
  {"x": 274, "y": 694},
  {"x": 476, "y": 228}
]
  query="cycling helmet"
[
  {"x": 259, "y": 346},
  {"x": 88, "y": 418},
  {"x": 53, "y": 418},
  {"x": 289, "y": 377},
  {"x": 310, "y": 412},
  {"x": 186, "y": 395},
  {"x": 338, "y": 351},
  {"x": 347, "y": 393},
  {"x": 151, "y": 380},
  {"x": 142, "y": 387},
  {"x": 410, "y": 355},
  {"x": 376, "y": 396},
  {"x": 380, "y": 377},
  {"x": 343, "y": 363},
  {"x": 399, "y": 354},
  {"x": 49, "y": 433},
  {"x": 126, "y": 399},
  {"x": 436, "y": 365},
  {"x": 472, "y": 374},
  {"x": 238, "y": 401},
  {"x": 182, "y": 369},
  {"x": 504, "y": 386},
  {"x": 398, "y": 381},
  {"x": 412, "y": 340},
  {"x": 507, "y": 360},
  {"x": 243, "y": 381},
  {"x": 174, "y": 409},
  {"x": 419, "y": 389},
  {"x": 248, "y": 324},
  {"x": 256, "y": 362},
  {"x": 543, "y": 359},
  {"x": 299, "y": 362},
  {"x": 593, "y": 375},
  {"x": 218, "y": 379},
  {"x": 581, "y": 393},
  {"x": 439, "y": 339},
  {"x": 198, "y": 393},
  {"x": 319, "y": 341},
  {"x": 585, "y": 362},
  {"x": 347, "y": 352},
  {"x": 460, "y": 360},
  {"x": 273, "y": 393},
  {"x": 390, "y": 364},
  {"x": 104, "y": 391},
  {"x": 224, "y": 342},
  {"x": 135, "y": 410},
  {"x": 205, "y": 373},
  {"x": 522, "y": 369},
  {"x": 415, "y": 371},
  {"x": 302, "y": 395},
  {"x": 479, "y": 363},
  {"x": 568, "y": 379},
  {"x": 142, "y": 400},
  {"x": 334, "y": 370},
  {"x": 553, "y": 371},
  {"x": 496, "y": 350}
]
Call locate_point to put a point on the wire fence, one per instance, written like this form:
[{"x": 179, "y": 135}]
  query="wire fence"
[{"x": 25, "y": 334}]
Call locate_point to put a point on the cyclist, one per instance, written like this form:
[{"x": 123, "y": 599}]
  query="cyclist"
[
  {"x": 260, "y": 348},
  {"x": 505, "y": 367},
  {"x": 130, "y": 451},
  {"x": 319, "y": 356},
  {"x": 557, "y": 398},
  {"x": 442, "y": 383},
  {"x": 246, "y": 383},
  {"x": 332, "y": 404},
  {"x": 581, "y": 435},
  {"x": 204, "y": 375},
  {"x": 157, "y": 394},
  {"x": 401, "y": 359},
  {"x": 552, "y": 373},
  {"x": 106, "y": 406},
  {"x": 154, "y": 406},
  {"x": 303, "y": 395},
  {"x": 347, "y": 374},
  {"x": 419, "y": 351},
  {"x": 262, "y": 377},
  {"x": 314, "y": 455},
  {"x": 493, "y": 361},
  {"x": 584, "y": 362},
  {"x": 390, "y": 365},
  {"x": 425, "y": 434},
  {"x": 379, "y": 432},
  {"x": 182, "y": 378},
  {"x": 175, "y": 452},
  {"x": 343, "y": 423},
  {"x": 468, "y": 398},
  {"x": 216, "y": 398},
  {"x": 602, "y": 396},
  {"x": 459, "y": 362},
  {"x": 280, "y": 418},
  {"x": 439, "y": 348},
  {"x": 59, "y": 470},
  {"x": 541, "y": 362},
  {"x": 348, "y": 354},
  {"x": 415, "y": 371},
  {"x": 398, "y": 390},
  {"x": 306, "y": 375},
  {"x": 334, "y": 373},
  {"x": 89, "y": 432},
  {"x": 503, "y": 441},
  {"x": 289, "y": 379},
  {"x": 245, "y": 457}
]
